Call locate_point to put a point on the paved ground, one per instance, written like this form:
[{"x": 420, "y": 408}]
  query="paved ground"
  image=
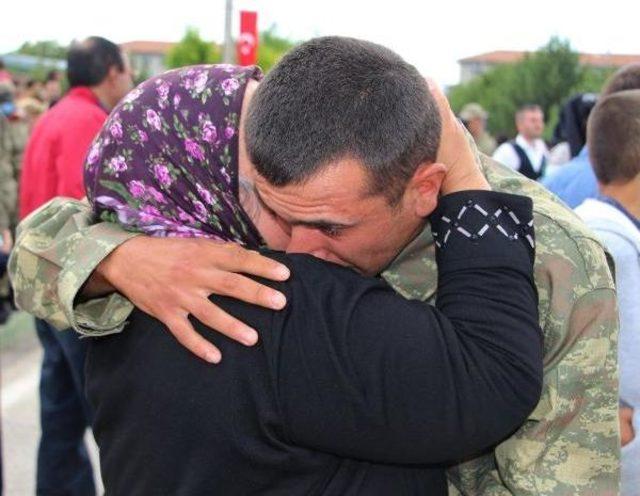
[{"x": 20, "y": 356}]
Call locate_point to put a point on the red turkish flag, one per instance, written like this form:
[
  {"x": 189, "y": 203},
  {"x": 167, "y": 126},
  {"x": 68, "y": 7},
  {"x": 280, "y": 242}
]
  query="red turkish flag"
[{"x": 248, "y": 40}]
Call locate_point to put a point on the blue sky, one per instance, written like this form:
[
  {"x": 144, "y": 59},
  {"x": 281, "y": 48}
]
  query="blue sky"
[{"x": 432, "y": 35}]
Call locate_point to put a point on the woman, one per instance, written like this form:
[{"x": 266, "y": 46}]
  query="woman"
[{"x": 352, "y": 390}]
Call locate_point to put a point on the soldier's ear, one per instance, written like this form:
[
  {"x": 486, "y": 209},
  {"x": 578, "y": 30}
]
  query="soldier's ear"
[{"x": 424, "y": 187}]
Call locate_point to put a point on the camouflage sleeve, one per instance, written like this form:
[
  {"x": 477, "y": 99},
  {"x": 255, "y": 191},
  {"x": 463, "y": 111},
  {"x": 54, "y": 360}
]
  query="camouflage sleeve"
[
  {"x": 570, "y": 443},
  {"x": 57, "y": 248},
  {"x": 476, "y": 477}
]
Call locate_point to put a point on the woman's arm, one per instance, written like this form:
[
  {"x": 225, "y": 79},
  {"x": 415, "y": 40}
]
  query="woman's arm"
[{"x": 363, "y": 373}]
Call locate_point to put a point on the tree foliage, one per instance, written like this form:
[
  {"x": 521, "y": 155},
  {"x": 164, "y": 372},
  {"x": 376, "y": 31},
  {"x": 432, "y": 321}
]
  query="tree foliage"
[
  {"x": 271, "y": 48},
  {"x": 546, "y": 77},
  {"x": 45, "y": 49},
  {"x": 192, "y": 50}
]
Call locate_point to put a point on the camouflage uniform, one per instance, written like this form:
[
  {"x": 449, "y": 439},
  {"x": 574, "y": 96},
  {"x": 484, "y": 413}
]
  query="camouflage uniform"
[
  {"x": 486, "y": 144},
  {"x": 12, "y": 141},
  {"x": 8, "y": 186},
  {"x": 570, "y": 443}
]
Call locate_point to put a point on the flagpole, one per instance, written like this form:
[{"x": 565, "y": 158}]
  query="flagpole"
[{"x": 228, "y": 55}]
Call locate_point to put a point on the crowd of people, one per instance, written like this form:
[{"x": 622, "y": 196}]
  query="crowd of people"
[
  {"x": 482, "y": 339},
  {"x": 22, "y": 101}
]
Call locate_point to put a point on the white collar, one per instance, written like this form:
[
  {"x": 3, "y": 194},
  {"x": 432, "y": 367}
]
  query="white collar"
[{"x": 520, "y": 140}]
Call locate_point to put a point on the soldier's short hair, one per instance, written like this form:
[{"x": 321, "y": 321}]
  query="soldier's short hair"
[
  {"x": 626, "y": 78},
  {"x": 335, "y": 97},
  {"x": 612, "y": 137}
]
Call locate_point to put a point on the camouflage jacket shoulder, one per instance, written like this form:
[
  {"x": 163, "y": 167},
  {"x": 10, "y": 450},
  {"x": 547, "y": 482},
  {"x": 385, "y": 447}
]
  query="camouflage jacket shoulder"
[{"x": 570, "y": 443}]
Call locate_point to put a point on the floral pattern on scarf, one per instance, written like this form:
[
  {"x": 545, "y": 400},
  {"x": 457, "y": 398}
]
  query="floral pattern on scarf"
[{"x": 166, "y": 160}]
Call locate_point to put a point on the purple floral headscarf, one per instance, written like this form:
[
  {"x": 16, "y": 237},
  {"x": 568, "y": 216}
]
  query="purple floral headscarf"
[{"x": 166, "y": 160}]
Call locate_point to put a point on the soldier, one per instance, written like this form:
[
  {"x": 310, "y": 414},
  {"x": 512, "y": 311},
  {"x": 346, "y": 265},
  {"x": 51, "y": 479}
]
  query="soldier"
[
  {"x": 7, "y": 181},
  {"x": 474, "y": 118},
  {"x": 11, "y": 145},
  {"x": 570, "y": 443}
]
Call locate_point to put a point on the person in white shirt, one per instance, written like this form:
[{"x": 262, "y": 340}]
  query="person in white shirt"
[{"x": 527, "y": 154}]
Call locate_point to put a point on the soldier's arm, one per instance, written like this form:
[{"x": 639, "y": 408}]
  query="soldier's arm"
[
  {"x": 61, "y": 256},
  {"x": 547, "y": 446},
  {"x": 57, "y": 249},
  {"x": 576, "y": 422},
  {"x": 476, "y": 477}
]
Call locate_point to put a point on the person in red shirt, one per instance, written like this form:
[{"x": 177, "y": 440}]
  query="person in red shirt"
[
  {"x": 99, "y": 77},
  {"x": 60, "y": 140}
]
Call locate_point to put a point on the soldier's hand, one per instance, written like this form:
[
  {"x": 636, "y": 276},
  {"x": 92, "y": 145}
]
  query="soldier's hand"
[
  {"x": 172, "y": 278},
  {"x": 456, "y": 150},
  {"x": 626, "y": 425}
]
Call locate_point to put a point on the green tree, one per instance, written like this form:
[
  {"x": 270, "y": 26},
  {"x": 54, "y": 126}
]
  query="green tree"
[
  {"x": 546, "y": 77},
  {"x": 48, "y": 53},
  {"x": 45, "y": 49},
  {"x": 593, "y": 79},
  {"x": 193, "y": 50},
  {"x": 271, "y": 48}
]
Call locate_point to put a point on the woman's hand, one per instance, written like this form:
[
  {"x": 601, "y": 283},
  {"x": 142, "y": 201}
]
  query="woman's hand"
[{"x": 457, "y": 151}]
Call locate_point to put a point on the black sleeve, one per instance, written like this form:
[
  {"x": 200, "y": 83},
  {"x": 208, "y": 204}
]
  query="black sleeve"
[{"x": 361, "y": 372}]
